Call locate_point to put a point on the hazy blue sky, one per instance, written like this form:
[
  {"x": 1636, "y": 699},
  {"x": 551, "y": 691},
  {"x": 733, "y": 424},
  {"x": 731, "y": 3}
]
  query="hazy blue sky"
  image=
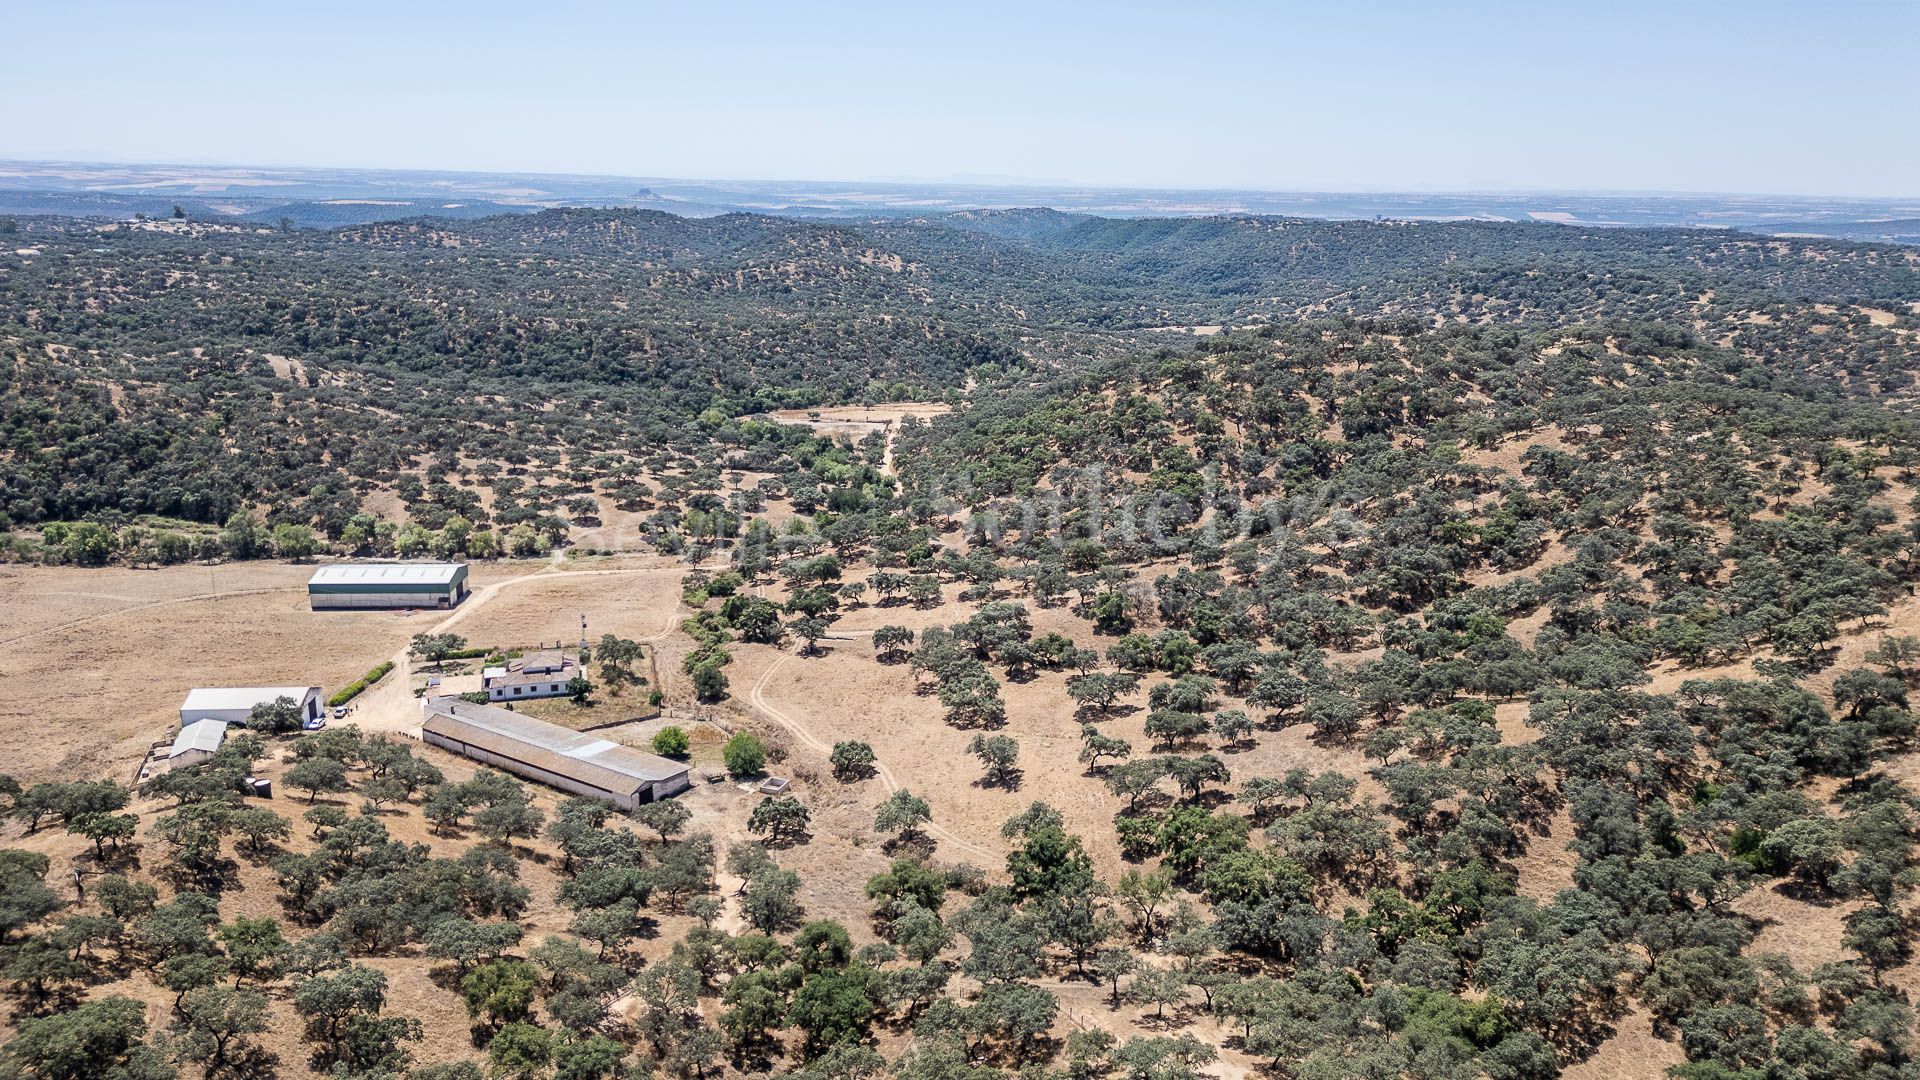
[{"x": 1814, "y": 98}]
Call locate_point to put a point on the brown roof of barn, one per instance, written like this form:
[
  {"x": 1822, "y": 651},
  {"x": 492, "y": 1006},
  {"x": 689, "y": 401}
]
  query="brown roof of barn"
[{"x": 607, "y": 765}]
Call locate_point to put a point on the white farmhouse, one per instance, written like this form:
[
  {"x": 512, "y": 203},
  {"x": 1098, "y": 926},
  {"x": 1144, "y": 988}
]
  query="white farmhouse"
[
  {"x": 233, "y": 704},
  {"x": 540, "y": 674}
]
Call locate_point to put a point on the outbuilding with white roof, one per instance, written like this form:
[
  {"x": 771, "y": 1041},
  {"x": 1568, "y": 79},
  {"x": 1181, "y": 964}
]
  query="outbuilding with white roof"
[
  {"x": 196, "y": 742},
  {"x": 387, "y": 585},
  {"x": 233, "y": 704}
]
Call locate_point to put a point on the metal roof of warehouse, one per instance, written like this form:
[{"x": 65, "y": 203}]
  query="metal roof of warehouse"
[
  {"x": 387, "y": 574},
  {"x": 241, "y": 697},
  {"x": 608, "y": 765}
]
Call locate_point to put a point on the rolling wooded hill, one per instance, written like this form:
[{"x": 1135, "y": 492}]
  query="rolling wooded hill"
[
  {"x": 189, "y": 369},
  {"x": 1485, "y": 651}
]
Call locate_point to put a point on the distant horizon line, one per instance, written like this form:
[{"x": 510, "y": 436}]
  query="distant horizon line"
[{"x": 975, "y": 183}]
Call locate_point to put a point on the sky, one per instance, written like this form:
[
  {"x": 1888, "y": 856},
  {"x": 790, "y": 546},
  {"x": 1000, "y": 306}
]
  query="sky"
[{"x": 1781, "y": 98}]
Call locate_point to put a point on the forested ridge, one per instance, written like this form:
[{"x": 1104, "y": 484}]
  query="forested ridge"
[{"x": 189, "y": 370}]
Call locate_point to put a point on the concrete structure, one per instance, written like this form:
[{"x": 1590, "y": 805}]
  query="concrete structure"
[
  {"x": 196, "y": 742},
  {"x": 387, "y": 585},
  {"x": 550, "y": 754},
  {"x": 233, "y": 704},
  {"x": 541, "y": 674}
]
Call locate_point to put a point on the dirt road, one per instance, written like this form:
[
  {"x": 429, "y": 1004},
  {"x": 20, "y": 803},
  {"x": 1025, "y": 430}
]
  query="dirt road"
[{"x": 858, "y": 421}]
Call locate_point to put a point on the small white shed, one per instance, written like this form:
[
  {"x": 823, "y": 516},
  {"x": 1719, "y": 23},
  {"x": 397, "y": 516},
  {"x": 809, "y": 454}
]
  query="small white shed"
[
  {"x": 196, "y": 742},
  {"x": 233, "y": 704}
]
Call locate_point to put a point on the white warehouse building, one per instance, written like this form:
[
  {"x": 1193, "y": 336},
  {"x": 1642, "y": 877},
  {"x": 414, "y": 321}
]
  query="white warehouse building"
[
  {"x": 387, "y": 585},
  {"x": 233, "y": 704}
]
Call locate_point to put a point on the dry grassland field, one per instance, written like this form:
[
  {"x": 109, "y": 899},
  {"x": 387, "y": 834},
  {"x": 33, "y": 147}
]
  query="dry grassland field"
[{"x": 111, "y": 653}]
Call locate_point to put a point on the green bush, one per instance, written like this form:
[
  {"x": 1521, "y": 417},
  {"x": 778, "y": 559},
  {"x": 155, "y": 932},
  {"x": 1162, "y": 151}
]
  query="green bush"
[
  {"x": 352, "y": 690},
  {"x": 671, "y": 742},
  {"x": 852, "y": 760},
  {"x": 745, "y": 754}
]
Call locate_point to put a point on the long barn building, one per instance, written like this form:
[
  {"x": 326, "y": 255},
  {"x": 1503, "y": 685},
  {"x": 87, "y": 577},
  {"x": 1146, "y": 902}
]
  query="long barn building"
[
  {"x": 387, "y": 585},
  {"x": 550, "y": 754}
]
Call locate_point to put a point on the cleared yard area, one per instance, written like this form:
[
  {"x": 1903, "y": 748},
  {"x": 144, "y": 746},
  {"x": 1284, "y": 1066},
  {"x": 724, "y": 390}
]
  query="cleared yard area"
[
  {"x": 100, "y": 659},
  {"x": 859, "y": 421},
  {"x": 96, "y": 661}
]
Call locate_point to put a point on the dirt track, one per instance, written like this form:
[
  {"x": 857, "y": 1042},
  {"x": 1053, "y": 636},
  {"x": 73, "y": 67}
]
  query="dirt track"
[
  {"x": 857, "y": 422},
  {"x": 391, "y": 706}
]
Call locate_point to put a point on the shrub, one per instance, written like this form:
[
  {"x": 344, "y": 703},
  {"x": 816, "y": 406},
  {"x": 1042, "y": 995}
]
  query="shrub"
[
  {"x": 671, "y": 742},
  {"x": 852, "y": 760},
  {"x": 709, "y": 682},
  {"x": 352, "y": 690},
  {"x": 745, "y": 754}
]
